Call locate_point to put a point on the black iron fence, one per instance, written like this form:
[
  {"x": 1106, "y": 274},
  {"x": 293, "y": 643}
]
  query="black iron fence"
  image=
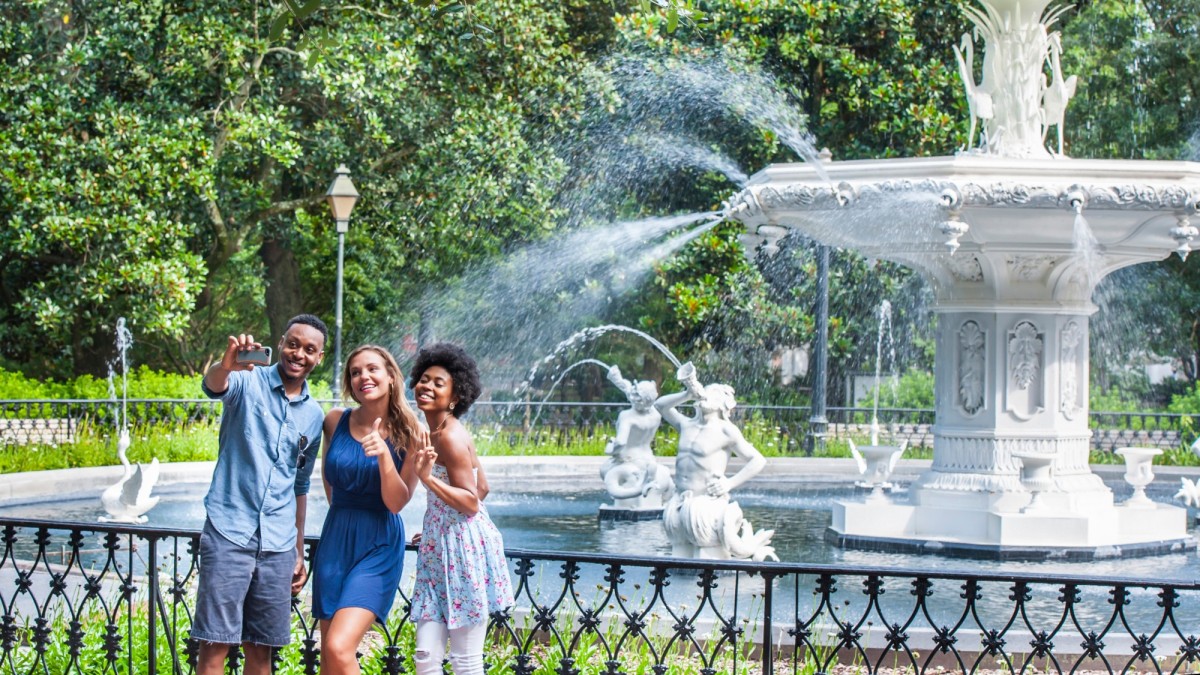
[
  {"x": 57, "y": 421},
  {"x": 91, "y": 598}
]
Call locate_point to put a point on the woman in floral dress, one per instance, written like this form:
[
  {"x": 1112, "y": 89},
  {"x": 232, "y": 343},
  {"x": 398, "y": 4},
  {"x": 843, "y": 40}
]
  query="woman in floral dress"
[{"x": 462, "y": 575}]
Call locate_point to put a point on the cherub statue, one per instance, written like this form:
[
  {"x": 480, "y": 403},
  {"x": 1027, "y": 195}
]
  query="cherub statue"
[{"x": 632, "y": 476}]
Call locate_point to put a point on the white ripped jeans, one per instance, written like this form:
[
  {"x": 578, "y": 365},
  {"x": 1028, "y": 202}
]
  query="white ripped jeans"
[{"x": 466, "y": 648}]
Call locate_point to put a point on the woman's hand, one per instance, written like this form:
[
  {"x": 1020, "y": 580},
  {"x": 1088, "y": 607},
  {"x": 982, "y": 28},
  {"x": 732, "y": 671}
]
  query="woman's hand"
[
  {"x": 374, "y": 445},
  {"x": 425, "y": 455}
]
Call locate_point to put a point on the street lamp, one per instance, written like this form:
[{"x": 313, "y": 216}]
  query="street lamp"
[
  {"x": 818, "y": 423},
  {"x": 341, "y": 197}
]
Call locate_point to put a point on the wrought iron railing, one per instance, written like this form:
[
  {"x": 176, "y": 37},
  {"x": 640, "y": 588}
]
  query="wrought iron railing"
[
  {"x": 57, "y": 421},
  {"x": 97, "y": 598}
]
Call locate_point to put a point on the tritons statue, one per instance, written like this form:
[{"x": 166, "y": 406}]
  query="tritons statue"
[
  {"x": 632, "y": 476},
  {"x": 700, "y": 519}
]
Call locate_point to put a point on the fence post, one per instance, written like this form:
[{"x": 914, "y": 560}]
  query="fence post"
[
  {"x": 768, "y": 647},
  {"x": 152, "y": 591}
]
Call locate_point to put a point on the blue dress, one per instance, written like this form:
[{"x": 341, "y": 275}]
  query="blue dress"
[{"x": 361, "y": 553}]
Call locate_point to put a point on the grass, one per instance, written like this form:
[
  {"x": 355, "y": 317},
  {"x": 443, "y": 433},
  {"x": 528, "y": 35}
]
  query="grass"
[
  {"x": 122, "y": 633},
  {"x": 95, "y": 446}
]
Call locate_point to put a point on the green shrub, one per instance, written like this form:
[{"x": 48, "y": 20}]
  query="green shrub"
[
  {"x": 142, "y": 383},
  {"x": 1187, "y": 403},
  {"x": 913, "y": 389},
  {"x": 97, "y": 447},
  {"x": 1114, "y": 400}
]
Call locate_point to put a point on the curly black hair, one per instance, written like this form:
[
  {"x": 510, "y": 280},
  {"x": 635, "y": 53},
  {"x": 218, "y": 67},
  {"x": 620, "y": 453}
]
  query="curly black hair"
[
  {"x": 309, "y": 320},
  {"x": 464, "y": 373}
]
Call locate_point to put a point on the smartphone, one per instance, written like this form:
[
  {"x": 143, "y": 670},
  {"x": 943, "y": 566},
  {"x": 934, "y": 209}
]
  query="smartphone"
[{"x": 257, "y": 357}]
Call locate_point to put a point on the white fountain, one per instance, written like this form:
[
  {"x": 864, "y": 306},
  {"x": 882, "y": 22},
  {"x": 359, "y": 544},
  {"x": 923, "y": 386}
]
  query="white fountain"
[
  {"x": 127, "y": 500},
  {"x": 1013, "y": 238}
]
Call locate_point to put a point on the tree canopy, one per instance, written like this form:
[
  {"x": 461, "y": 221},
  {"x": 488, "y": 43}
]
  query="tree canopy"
[{"x": 166, "y": 162}]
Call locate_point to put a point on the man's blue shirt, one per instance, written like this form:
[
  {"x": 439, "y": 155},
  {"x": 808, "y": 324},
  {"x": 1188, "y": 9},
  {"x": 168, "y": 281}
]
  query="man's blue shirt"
[{"x": 259, "y": 469}]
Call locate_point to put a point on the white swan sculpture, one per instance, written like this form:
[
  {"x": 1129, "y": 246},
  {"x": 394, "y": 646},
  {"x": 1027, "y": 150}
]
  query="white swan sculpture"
[
  {"x": 1189, "y": 492},
  {"x": 129, "y": 499}
]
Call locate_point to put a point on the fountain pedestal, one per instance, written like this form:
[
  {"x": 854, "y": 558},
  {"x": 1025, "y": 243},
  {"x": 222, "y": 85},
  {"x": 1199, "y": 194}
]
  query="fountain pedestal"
[{"x": 1013, "y": 304}]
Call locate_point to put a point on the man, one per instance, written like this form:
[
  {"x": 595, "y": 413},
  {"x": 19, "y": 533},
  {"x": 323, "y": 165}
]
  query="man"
[
  {"x": 252, "y": 546},
  {"x": 700, "y": 520}
]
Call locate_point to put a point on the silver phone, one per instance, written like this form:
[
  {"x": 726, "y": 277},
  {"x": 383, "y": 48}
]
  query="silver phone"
[{"x": 257, "y": 357}]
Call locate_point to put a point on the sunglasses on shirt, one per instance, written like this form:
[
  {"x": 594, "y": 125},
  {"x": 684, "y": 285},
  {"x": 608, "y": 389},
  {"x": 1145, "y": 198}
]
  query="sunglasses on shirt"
[{"x": 302, "y": 457}]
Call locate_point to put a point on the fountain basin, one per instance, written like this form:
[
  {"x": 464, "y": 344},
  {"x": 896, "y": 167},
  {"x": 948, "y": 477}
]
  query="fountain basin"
[
  {"x": 1131, "y": 206},
  {"x": 550, "y": 503},
  {"x": 1050, "y": 534}
]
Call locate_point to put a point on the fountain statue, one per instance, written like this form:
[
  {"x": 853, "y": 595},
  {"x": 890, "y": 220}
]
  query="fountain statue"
[
  {"x": 638, "y": 484},
  {"x": 1189, "y": 492},
  {"x": 1013, "y": 238},
  {"x": 1139, "y": 473},
  {"x": 127, "y": 500},
  {"x": 876, "y": 464},
  {"x": 700, "y": 520}
]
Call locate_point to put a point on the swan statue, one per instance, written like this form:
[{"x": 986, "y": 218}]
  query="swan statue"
[
  {"x": 129, "y": 499},
  {"x": 1189, "y": 492}
]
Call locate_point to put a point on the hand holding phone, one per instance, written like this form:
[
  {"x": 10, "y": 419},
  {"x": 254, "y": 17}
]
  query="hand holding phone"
[{"x": 257, "y": 356}]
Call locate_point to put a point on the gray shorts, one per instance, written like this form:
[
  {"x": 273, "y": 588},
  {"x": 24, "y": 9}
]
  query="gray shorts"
[{"x": 244, "y": 594}]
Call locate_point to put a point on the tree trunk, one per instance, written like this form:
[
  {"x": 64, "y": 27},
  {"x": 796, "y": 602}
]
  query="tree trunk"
[
  {"x": 283, "y": 296},
  {"x": 93, "y": 348}
]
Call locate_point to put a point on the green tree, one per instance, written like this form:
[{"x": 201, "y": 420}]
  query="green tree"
[
  {"x": 1138, "y": 98},
  {"x": 166, "y": 161},
  {"x": 1139, "y": 86},
  {"x": 865, "y": 80}
]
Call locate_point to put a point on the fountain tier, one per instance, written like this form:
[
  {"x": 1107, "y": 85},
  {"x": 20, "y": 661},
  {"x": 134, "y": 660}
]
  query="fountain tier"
[{"x": 1013, "y": 248}]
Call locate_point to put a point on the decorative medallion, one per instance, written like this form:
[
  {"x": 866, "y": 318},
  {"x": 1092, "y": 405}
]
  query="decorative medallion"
[
  {"x": 1024, "y": 353},
  {"x": 1030, "y": 267},
  {"x": 964, "y": 267}
]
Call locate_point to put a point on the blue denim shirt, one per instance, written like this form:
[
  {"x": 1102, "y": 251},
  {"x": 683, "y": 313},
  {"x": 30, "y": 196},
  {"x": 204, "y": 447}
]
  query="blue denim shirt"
[{"x": 259, "y": 470}]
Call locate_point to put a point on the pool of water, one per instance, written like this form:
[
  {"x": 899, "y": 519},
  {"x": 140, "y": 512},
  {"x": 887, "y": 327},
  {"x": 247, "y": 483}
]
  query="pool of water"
[
  {"x": 568, "y": 521},
  {"x": 559, "y": 520}
]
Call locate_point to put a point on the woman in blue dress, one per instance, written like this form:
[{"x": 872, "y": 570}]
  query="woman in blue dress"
[{"x": 358, "y": 562}]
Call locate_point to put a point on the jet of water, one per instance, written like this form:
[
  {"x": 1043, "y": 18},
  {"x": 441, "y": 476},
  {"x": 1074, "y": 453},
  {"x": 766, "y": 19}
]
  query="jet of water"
[
  {"x": 550, "y": 392},
  {"x": 582, "y": 338},
  {"x": 506, "y": 309},
  {"x": 1086, "y": 250},
  {"x": 124, "y": 342},
  {"x": 678, "y": 151},
  {"x": 884, "y": 332}
]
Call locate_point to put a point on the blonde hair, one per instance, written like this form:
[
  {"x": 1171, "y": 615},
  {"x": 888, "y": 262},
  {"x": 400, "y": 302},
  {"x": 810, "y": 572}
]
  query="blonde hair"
[{"x": 401, "y": 423}]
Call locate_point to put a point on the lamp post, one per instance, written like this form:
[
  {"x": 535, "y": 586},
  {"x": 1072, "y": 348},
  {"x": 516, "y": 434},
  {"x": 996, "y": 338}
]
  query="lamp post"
[
  {"x": 341, "y": 197},
  {"x": 818, "y": 424}
]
